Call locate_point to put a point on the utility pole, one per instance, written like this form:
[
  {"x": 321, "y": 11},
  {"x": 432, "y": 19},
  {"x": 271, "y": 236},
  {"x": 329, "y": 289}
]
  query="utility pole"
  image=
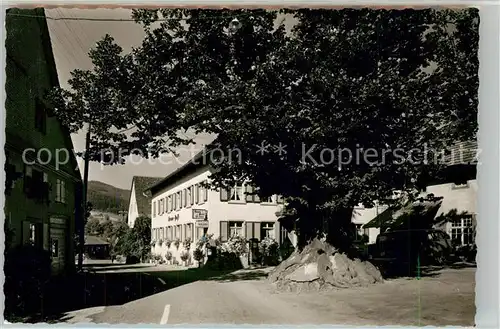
[{"x": 84, "y": 198}]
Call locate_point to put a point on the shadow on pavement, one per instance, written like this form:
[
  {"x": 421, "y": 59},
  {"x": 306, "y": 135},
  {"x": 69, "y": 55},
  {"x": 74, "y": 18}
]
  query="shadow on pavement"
[
  {"x": 241, "y": 276},
  {"x": 92, "y": 289}
]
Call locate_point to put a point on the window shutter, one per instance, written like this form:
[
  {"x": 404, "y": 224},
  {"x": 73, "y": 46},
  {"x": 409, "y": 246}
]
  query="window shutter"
[
  {"x": 205, "y": 192},
  {"x": 224, "y": 231},
  {"x": 248, "y": 189},
  {"x": 277, "y": 231},
  {"x": 26, "y": 232},
  {"x": 196, "y": 189},
  {"x": 249, "y": 230},
  {"x": 46, "y": 236},
  {"x": 224, "y": 194},
  {"x": 256, "y": 231},
  {"x": 191, "y": 197}
]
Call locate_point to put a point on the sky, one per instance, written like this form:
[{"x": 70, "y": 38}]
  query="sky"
[{"x": 71, "y": 42}]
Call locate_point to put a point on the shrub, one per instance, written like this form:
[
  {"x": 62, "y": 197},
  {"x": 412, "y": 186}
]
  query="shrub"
[
  {"x": 269, "y": 249},
  {"x": 168, "y": 243},
  {"x": 184, "y": 256},
  {"x": 198, "y": 255},
  {"x": 27, "y": 269},
  {"x": 177, "y": 243},
  {"x": 168, "y": 256},
  {"x": 236, "y": 245}
]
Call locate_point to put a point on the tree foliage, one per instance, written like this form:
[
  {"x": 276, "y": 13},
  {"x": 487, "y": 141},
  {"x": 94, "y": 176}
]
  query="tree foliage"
[
  {"x": 137, "y": 240},
  {"x": 360, "y": 80}
]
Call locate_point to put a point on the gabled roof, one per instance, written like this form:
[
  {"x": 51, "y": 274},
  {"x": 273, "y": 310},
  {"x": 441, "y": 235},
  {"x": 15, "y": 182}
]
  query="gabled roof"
[
  {"x": 91, "y": 240},
  {"x": 202, "y": 158},
  {"x": 142, "y": 194}
]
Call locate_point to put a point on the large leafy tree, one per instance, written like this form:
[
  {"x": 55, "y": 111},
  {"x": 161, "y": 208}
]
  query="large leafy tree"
[{"x": 347, "y": 94}]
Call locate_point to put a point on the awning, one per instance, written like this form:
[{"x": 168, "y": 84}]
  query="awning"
[{"x": 398, "y": 216}]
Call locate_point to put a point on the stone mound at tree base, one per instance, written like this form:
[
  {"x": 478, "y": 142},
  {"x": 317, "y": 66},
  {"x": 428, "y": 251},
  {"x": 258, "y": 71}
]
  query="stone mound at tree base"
[{"x": 319, "y": 266}]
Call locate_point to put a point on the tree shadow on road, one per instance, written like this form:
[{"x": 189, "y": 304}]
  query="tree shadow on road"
[
  {"x": 257, "y": 274},
  {"x": 92, "y": 289}
]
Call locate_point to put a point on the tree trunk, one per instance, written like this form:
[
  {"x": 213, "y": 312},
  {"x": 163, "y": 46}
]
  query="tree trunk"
[{"x": 320, "y": 266}]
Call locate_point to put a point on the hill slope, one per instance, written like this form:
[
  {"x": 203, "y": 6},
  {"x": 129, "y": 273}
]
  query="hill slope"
[{"x": 107, "y": 198}]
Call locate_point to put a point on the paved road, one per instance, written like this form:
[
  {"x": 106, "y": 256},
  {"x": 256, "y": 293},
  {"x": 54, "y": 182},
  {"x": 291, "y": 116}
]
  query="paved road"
[
  {"x": 205, "y": 302},
  {"x": 447, "y": 299}
]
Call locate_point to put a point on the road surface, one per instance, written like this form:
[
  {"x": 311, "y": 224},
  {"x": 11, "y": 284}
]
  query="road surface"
[{"x": 447, "y": 299}]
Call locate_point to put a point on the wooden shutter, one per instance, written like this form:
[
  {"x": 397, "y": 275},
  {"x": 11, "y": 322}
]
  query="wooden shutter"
[
  {"x": 277, "y": 231},
  {"x": 248, "y": 189},
  {"x": 205, "y": 192},
  {"x": 224, "y": 194},
  {"x": 256, "y": 231},
  {"x": 45, "y": 236},
  {"x": 224, "y": 231}
]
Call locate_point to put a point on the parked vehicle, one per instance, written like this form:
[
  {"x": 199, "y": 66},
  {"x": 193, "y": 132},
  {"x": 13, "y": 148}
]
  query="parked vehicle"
[{"x": 403, "y": 251}]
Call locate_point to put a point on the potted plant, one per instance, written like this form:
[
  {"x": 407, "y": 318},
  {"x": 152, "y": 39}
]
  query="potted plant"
[
  {"x": 160, "y": 242},
  {"x": 198, "y": 256},
  {"x": 153, "y": 243},
  {"x": 168, "y": 257},
  {"x": 184, "y": 257},
  {"x": 187, "y": 244},
  {"x": 177, "y": 243},
  {"x": 168, "y": 243},
  {"x": 237, "y": 245}
]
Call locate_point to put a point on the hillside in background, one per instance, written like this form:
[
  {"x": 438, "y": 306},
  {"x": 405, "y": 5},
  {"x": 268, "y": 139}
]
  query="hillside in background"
[{"x": 107, "y": 198}]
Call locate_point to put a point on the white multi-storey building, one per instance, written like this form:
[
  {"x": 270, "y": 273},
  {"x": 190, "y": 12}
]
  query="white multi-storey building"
[{"x": 182, "y": 208}]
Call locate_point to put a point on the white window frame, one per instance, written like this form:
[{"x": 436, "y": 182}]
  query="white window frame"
[
  {"x": 268, "y": 230},
  {"x": 237, "y": 193},
  {"x": 233, "y": 227},
  {"x": 461, "y": 226}
]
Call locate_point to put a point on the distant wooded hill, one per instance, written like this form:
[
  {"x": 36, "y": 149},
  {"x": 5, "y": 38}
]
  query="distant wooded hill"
[{"x": 107, "y": 198}]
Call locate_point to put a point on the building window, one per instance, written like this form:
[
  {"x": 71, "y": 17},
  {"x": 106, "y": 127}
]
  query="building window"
[
  {"x": 267, "y": 230},
  {"x": 178, "y": 198},
  {"x": 40, "y": 117},
  {"x": 191, "y": 194},
  {"x": 154, "y": 209},
  {"x": 236, "y": 193},
  {"x": 36, "y": 234},
  {"x": 181, "y": 193},
  {"x": 235, "y": 229},
  {"x": 55, "y": 248},
  {"x": 268, "y": 199},
  {"x": 60, "y": 191},
  {"x": 462, "y": 232},
  {"x": 358, "y": 232},
  {"x": 174, "y": 201}
]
